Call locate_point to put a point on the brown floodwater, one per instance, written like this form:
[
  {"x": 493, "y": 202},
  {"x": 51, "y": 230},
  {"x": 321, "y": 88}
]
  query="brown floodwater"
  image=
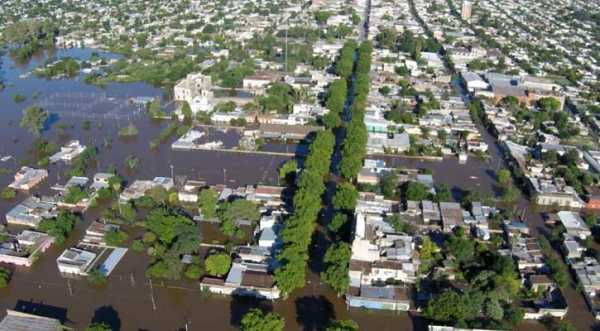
[{"x": 131, "y": 302}]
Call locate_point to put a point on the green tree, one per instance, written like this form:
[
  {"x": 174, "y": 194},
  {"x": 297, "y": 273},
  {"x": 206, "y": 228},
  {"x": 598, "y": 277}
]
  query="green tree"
[
  {"x": 34, "y": 119},
  {"x": 442, "y": 193},
  {"x": 127, "y": 211},
  {"x": 388, "y": 183},
  {"x": 165, "y": 225},
  {"x": 503, "y": 177},
  {"x": 549, "y": 104},
  {"x": 193, "y": 271},
  {"x": 131, "y": 162},
  {"x": 493, "y": 309},
  {"x": 96, "y": 277},
  {"x": 231, "y": 212},
  {"x": 75, "y": 194},
  {"x": 218, "y": 264},
  {"x": 345, "y": 197},
  {"x": 428, "y": 254},
  {"x": 158, "y": 194},
  {"x": 207, "y": 201},
  {"x": 337, "y": 222},
  {"x": 345, "y": 325},
  {"x": 287, "y": 170},
  {"x": 416, "y": 191},
  {"x": 257, "y": 320},
  {"x": 337, "y": 259},
  {"x": 115, "y": 238},
  {"x": 60, "y": 226},
  {"x": 446, "y": 307}
]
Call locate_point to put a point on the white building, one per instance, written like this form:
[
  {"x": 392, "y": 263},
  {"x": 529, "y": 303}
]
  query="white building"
[{"x": 75, "y": 261}]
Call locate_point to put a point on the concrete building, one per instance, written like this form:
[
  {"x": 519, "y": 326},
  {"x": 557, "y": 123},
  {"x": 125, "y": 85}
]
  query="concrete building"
[
  {"x": 75, "y": 261},
  {"x": 27, "y": 178},
  {"x": 574, "y": 224},
  {"x": 31, "y": 212},
  {"x": 68, "y": 152},
  {"x": 25, "y": 248}
]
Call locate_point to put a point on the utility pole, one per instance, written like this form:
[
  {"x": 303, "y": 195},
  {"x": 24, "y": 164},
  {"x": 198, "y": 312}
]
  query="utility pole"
[{"x": 171, "y": 166}]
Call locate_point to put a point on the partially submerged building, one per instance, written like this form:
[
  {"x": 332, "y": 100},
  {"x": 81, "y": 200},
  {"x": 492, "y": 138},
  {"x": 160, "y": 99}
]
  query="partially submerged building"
[
  {"x": 31, "y": 212},
  {"x": 27, "y": 178}
]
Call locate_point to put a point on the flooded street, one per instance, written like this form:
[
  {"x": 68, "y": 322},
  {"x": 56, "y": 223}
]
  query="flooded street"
[{"x": 129, "y": 300}]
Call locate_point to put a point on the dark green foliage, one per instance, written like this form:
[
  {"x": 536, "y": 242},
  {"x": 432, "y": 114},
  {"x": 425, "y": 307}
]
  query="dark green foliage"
[
  {"x": 337, "y": 222},
  {"x": 115, "y": 238},
  {"x": 256, "y": 320},
  {"x": 34, "y": 119},
  {"x": 416, "y": 191},
  {"x": 337, "y": 259},
  {"x": 68, "y": 67},
  {"x": 345, "y": 197},
  {"x": 279, "y": 98},
  {"x": 96, "y": 277},
  {"x": 231, "y": 212},
  {"x": 345, "y": 62},
  {"x": 59, "y": 227},
  {"x": 207, "y": 201},
  {"x": 83, "y": 162},
  {"x": 297, "y": 233},
  {"x": 75, "y": 194}
]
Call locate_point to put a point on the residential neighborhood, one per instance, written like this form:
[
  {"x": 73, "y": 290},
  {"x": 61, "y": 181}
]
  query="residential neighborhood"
[{"x": 320, "y": 165}]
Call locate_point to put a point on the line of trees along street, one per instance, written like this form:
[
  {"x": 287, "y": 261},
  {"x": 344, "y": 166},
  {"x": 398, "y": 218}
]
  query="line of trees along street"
[
  {"x": 307, "y": 202},
  {"x": 337, "y": 257},
  {"x": 299, "y": 227},
  {"x": 354, "y": 146}
]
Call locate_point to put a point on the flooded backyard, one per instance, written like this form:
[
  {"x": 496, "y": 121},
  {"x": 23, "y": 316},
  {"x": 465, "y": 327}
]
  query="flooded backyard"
[{"x": 130, "y": 301}]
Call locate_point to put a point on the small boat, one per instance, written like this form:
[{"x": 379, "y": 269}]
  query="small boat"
[{"x": 6, "y": 158}]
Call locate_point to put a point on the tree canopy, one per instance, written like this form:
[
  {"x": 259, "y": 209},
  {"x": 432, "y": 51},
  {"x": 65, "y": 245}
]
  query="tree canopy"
[
  {"x": 257, "y": 320},
  {"x": 34, "y": 119},
  {"x": 218, "y": 264}
]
